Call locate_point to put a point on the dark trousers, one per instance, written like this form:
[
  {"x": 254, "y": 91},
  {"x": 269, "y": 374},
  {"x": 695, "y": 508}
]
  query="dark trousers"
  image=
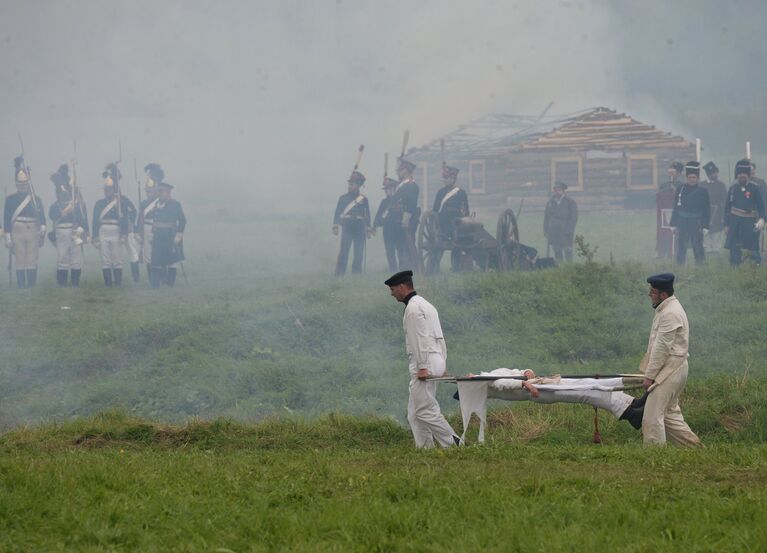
[
  {"x": 690, "y": 233},
  {"x": 352, "y": 232},
  {"x": 395, "y": 246}
]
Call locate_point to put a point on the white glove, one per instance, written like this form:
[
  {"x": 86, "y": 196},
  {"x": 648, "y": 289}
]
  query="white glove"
[
  {"x": 759, "y": 225},
  {"x": 705, "y": 231},
  {"x": 42, "y": 230},
  {"x": 406, "y": 220},
  {"x": 8, "y": 241},
  {"x": 178, "y": 238}
]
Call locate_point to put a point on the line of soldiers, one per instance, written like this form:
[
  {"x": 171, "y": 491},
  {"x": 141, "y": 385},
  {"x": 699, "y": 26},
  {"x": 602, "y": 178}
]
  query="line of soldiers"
[
  {"x": 398, "y": 215},
  {"x": 695, "y": 215},
  {"x": 153, "y": 234}
]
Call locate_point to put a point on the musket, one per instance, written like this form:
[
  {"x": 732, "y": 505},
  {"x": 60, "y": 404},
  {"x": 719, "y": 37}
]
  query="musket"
[
  {"x": 29, "y": 177},
  {"x": 405, "y": 140},
  {"x": 519, "y": 209},
  {"x": 360, "y": 151},
  {"x": 442, "y": 149},
  {"x": 386, "y": 165},
  {"x": 140, "y": 220}
]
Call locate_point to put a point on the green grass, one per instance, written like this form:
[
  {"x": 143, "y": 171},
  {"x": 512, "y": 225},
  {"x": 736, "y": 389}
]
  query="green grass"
[{"x": 113, "y": 483}]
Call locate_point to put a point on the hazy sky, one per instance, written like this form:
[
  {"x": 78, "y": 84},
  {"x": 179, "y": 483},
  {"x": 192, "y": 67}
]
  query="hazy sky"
[{"x": 267, "y": 101}]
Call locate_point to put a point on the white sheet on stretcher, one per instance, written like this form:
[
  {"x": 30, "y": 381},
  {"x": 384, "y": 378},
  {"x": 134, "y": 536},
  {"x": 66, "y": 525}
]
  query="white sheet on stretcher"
[{"x": 473, "y": 394}]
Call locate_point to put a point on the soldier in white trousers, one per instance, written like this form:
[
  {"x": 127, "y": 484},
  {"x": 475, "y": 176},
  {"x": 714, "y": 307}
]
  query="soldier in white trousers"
[
  {"x": 665, "y": 367},
  {"x": 70, "y": 226},
  {"x": 110, "y": 227},
  {"x": 427, "y": 355}
]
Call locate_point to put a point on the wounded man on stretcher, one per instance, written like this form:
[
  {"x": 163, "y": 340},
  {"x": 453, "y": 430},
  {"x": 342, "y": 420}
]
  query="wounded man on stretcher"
[{"x": 603, "y": 393}]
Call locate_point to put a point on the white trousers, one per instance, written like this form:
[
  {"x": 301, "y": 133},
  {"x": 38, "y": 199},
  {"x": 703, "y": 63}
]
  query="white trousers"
[
  {"x": 662, "y": 416},
  {"x": 614, "y": 402},
  {"x": 69, "y": 255},
  {"x": 426, "y": 420},
  {"x": 132, "y": 247},
  {"x": 26, "y": 244},
  {"x": 111, "y": 254},
  {"x": 146, "y": 247}
]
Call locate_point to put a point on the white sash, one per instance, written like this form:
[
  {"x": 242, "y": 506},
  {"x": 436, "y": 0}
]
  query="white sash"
[
  {"x": 355, "y": 202},
  {"x": 107, "y": 209},
  {"x": 149, "y": 208},
  {"x": 24, "y": 203},
  {"x": 449, "y": 195}
]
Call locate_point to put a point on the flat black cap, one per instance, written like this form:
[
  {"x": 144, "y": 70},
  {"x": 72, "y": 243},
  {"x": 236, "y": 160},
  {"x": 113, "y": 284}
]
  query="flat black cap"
[
  {"x": 399, "y": 278},
  {"x": 710, "y": 168},
  {"x": 662, "y": 281}
]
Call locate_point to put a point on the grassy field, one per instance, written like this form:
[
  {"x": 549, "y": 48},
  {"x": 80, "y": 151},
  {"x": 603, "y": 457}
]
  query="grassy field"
[{"x": 304, "y": 378}]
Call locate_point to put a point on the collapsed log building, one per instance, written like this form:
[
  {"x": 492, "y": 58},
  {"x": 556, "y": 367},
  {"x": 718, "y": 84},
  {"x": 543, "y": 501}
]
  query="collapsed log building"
[{"x": 608, "y": 160}]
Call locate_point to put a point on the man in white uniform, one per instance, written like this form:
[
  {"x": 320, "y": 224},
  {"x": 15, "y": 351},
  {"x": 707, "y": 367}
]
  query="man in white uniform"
[
  {"x": 427, "y": 355},
  {"x": 665, "y": 367}
]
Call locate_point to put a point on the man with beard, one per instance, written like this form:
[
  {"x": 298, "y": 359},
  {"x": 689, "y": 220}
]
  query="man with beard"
[{"x": 744, "y": 215}]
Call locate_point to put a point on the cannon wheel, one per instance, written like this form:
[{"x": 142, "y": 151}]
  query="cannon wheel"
[
  {"x": 507, "y": 234},
  {"x": 429, "y": 247}
]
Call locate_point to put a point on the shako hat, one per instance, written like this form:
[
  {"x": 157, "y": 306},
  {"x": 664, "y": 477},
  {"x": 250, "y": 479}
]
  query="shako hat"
[
  {"x": 357, "y": 178},
  {"x": 710, "y": 168},
  {"x": 155, "y": 174},
  {"x": 60, "y": 179},
  {"x": 20, "y": 173},
  {"x": 560, "y": 184},
  {"x": 677, "y": 166},
  {"x": 111, "y": 174},
  {"x": 449, "y": 172},
  {"x": 743, "y": 167},
  {"x": 399, "y": 278},
  {"x": 692, "y": 168},
  {"x": 406, "y": 165}
]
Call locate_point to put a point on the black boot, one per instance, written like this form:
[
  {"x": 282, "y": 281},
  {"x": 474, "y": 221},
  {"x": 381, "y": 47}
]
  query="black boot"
[
  {"x": 134, "y": 270},
  {"x": 107, "y": 277},
  {"x": 118, "y": 277},
  {"x": 61, "y": 277},
  {"x": 171, "y": 280},
  {"x": 31, "y": 277},
  {"x": 76, "y": 277},
  {"x": 640, "y": 401},
  {"x": 21, "y": 279},
  {"x": 633, "y": 416}
]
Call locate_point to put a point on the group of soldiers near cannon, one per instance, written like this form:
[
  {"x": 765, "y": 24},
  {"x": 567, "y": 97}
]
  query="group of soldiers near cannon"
[
  {"x": 398, "y": 216},
  {"x": 695, "y": 215},
  {"x": 152, "y": 234}
]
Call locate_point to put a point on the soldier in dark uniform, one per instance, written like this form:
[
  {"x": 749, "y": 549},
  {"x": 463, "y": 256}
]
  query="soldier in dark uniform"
[
  {"x": 744, "y": 215},
  {"x": 664, "y": 202},
  {"x": 167, "y": 238},
  {"x": 717, "y": 197},
  {"x": 24, "y": 222},
  {"x": 691, "y": 215},
  {"x": 155, "y": 175},
  {"x": 70, "y": 226},
  {"x": 451, "y": 203},
  {"x": 112, "y": 216},
  {"x": 559, "y": 222},
  {"x": 352, "y": 216},
  {"x": 391, "y": 222},
  {"x": 405, "y": 200}
]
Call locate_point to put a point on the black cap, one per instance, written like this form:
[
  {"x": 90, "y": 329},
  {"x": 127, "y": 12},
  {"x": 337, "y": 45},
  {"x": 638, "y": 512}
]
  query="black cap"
[
  {"x": 677, "y": 166},
  {"x": 560, "y": 184},
  {"x": 710, "y": 168},
  {"x": 692, "y": 168},
  {"x": 743, "y": 167},
  {"x": 662, "y": 281},
  {"x": 449, "y": 172},
  {"x": 399, "y": 278},
  {"x": 390, "y": 183}
]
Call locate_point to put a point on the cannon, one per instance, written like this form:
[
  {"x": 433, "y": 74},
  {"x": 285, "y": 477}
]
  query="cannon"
[{"x": 471, "y": 244}]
